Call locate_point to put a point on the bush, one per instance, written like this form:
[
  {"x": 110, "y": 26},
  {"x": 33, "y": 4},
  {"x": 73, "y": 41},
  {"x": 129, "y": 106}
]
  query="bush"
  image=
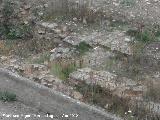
[
  {"x": 83, "y": 47},
  {"x": 143, "y": 36},
  {"x": 9, "y": 27},
  {"x": 7, "y": 96},
  {"x": 18, "y": 32}
]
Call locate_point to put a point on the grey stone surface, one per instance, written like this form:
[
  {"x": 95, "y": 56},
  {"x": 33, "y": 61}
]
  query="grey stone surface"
[
  {"x": 61, "y": 52},
  {"x": 97, "y": 58},
  {"x": 116, "y": 40},
  {"x": 121, "y": 86},
  {"x": 73, "y": 40},
  {"x": 18, "y": 111}
]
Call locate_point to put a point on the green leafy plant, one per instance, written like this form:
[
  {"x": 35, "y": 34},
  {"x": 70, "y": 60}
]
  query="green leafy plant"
[
  {"x": 7, "y": 96},
  {"x": 83, "y": 47}
]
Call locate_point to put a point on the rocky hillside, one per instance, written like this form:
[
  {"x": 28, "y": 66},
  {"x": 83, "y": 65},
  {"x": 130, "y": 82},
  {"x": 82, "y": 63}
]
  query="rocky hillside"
[{"x": 102, "y": 52}]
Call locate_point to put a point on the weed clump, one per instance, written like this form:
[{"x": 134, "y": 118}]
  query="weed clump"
[
  {"x": 62, "y": 70},
  {"x": 42, "y": 58},
  {"x": 83, "y": 47},
  {"x": 143, "y": 36},
  {"x": 7, "y": 96},
  {"x": 128, "y": 2}
]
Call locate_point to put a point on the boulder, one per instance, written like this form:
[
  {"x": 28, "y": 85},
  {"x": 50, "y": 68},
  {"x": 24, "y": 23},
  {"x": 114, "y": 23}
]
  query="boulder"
[
  {"x": 48, "y": 25},
  {"x": 73, "y": 40},
  {"x": 61, "y": 52}
]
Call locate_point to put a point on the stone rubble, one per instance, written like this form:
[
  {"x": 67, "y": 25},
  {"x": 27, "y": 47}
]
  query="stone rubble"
[
  {"x": 73, "y": 40},
  {"x": 116, "y": 41},
  {"x": 61, "y": 52},
  {"x": 120, "y": 86},
  {"x": 97, "y": 58}
]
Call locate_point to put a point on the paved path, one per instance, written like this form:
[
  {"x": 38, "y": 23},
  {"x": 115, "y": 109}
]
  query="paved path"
[{"x": 19, "y": 111}]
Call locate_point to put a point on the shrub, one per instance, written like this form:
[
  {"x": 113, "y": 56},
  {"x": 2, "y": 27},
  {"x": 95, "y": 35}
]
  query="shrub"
[
  {"x": 9, "y": 27},
  {"x": 7, "y": 96},
  {"x": 144, "y": 36},
  {"x": 83, "y": 47},
  {"x": 7, "y": 10},
  {"x": 18, "y": 32}
]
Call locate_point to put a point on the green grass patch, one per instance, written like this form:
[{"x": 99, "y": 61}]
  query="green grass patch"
[
  {"x": 128, "y": 2},
  {"x": 7, "y": 96},
  {"x": 42, "y": 58},
  {"x": 62, "y": 70},
  {"x": 83, "y": 47},
  {"x": 18, "y": 32},
  {"x": 143, "y": 36}
]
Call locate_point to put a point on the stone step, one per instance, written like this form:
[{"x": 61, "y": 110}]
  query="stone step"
[{"x": 116, "y": 40}]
